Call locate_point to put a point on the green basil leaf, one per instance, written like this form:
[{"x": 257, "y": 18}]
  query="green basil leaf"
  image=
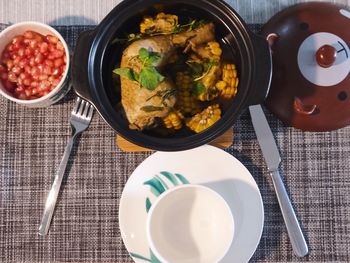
[
  {"x": 153, "y": 58},
  {"x": 211, "y": 63},
  {"x": 198, "y": 88},
  {"x": 143, "y": 54},
  {"x": 197, "y": 69},
  {"x": 126, "y": 72},
  {"x": 148, "y": 58},
  {"x": 150, "y": 108},
  {"x": 150, "y": 78},
  {"x": 119, "y": 41}
]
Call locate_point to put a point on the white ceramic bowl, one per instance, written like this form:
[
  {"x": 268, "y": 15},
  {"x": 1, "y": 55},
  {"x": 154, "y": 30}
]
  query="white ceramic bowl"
[
  {"x": 190, "y": 224},
  {"x": 61, "y": 89}
]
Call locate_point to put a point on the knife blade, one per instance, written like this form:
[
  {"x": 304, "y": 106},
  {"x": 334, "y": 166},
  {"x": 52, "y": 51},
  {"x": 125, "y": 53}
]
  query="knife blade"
[
  {"x": 272, "y": 157},
  {"x": 265, "y": 137}
]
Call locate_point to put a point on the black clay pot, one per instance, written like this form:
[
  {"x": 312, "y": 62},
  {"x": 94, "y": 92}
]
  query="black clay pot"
[{"x": 95, "y": 57}]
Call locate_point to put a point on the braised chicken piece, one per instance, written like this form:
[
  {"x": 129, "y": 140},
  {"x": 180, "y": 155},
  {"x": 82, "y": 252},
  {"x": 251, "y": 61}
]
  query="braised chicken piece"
[{"x": 142, "y": 106}]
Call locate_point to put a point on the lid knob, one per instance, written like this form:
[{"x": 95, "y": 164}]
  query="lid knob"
[{"x": 326, "y": 56}]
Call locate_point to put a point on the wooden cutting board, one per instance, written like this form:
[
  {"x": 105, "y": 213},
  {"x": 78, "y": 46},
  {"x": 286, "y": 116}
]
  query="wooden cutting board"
[{"x": 223, "y": 142}]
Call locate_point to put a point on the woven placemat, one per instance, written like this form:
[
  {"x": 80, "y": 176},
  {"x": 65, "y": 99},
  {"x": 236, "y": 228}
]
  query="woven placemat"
[{"x": 315, "y": 166}]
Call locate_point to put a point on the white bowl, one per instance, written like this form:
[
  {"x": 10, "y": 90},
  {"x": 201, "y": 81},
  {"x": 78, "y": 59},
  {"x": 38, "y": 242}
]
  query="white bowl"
[
  {"x": 190, "y": 224},
  {"x": 61, "y": 89}
]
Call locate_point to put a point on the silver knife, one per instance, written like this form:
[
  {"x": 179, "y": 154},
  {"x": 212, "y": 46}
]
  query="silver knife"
[{"x": 272, "y": 157}]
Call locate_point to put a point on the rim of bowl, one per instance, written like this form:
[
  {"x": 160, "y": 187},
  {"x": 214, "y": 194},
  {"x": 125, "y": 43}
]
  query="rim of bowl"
[
  {"x": 177, "y": 188},
  {"x": 57, "y": 34}
]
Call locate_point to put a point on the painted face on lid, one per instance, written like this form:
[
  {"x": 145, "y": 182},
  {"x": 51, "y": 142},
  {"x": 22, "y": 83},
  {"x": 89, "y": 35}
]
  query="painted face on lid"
[{"x": 310, "y": 87}]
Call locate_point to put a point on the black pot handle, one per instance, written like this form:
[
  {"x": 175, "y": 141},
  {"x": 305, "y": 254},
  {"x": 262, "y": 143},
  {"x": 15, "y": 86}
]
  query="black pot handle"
[
  {"x": 80, "y": 62},
  {"x": 263, "y": 70}
]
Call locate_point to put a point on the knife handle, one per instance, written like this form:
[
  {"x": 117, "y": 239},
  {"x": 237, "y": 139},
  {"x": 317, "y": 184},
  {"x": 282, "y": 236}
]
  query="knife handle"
[{"x": 296, "y": 236}]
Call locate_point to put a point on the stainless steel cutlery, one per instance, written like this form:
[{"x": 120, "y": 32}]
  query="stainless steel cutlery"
[
  {"x": 80, "y": 120},
  {"x": 272, "y": 157}
]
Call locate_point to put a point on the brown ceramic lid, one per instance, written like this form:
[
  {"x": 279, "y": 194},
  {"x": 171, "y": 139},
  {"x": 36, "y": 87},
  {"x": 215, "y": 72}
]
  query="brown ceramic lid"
[{"x": 310, "y": 86}]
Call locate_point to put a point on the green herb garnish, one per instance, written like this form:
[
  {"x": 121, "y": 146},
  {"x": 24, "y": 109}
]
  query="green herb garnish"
[
  {"x": 118, "y": 41},
  {"x": 129, "y": 38},
  {"x": 163, "y": 95},
  {"x": 150, "y": 108},
  {"x": 168, "y": 94},
  {"x": 149, "y": 77},
  {"x": 196, "y": 69},
  {"x": 126, "y": 72},
  {"x": 148, "y": 58},
  {"x": 198, "y": 88},
  {"x": 191, "y": 25},
  {"x": 206, "y": 68},
  {"x": 211, "y": 63}
]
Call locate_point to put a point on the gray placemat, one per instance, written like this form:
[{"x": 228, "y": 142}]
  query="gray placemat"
[{"x": 85, "y": 227}]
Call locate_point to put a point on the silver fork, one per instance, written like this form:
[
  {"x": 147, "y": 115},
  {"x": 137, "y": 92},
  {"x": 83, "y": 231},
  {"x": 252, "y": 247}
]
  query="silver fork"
[{"x": 80, "y": 120}]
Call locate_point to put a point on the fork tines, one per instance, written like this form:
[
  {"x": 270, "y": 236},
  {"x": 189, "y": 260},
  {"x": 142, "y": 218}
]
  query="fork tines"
[{"x": 83, "y": 109}]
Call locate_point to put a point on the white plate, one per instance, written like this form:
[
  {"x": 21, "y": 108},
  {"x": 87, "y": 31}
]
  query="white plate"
[{"x": 208, "y": 166}]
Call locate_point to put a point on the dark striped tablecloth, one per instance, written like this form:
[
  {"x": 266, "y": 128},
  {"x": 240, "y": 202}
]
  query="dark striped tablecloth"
[{"x": 315, "y": 166}]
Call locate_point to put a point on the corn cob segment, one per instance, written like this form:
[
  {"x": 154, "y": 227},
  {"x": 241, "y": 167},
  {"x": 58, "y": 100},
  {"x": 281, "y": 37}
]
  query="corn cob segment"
[
  {"x": 161, "y": 23},
  {"x": 211, "y": 51},
  {"x": 173, "y": 120},
  {"x": 204, "y": 119},
  {"x": 228, "y": 85},
  {"x": 186, "y": 102},
  {"x": 209, "y": 81}
]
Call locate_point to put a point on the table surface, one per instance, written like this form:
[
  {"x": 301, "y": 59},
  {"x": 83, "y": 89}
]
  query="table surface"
[{"x": 315, "y": 167}]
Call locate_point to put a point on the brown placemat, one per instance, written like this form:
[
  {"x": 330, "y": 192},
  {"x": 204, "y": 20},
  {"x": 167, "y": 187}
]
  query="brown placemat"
[{"x": 85, "y": 227}]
